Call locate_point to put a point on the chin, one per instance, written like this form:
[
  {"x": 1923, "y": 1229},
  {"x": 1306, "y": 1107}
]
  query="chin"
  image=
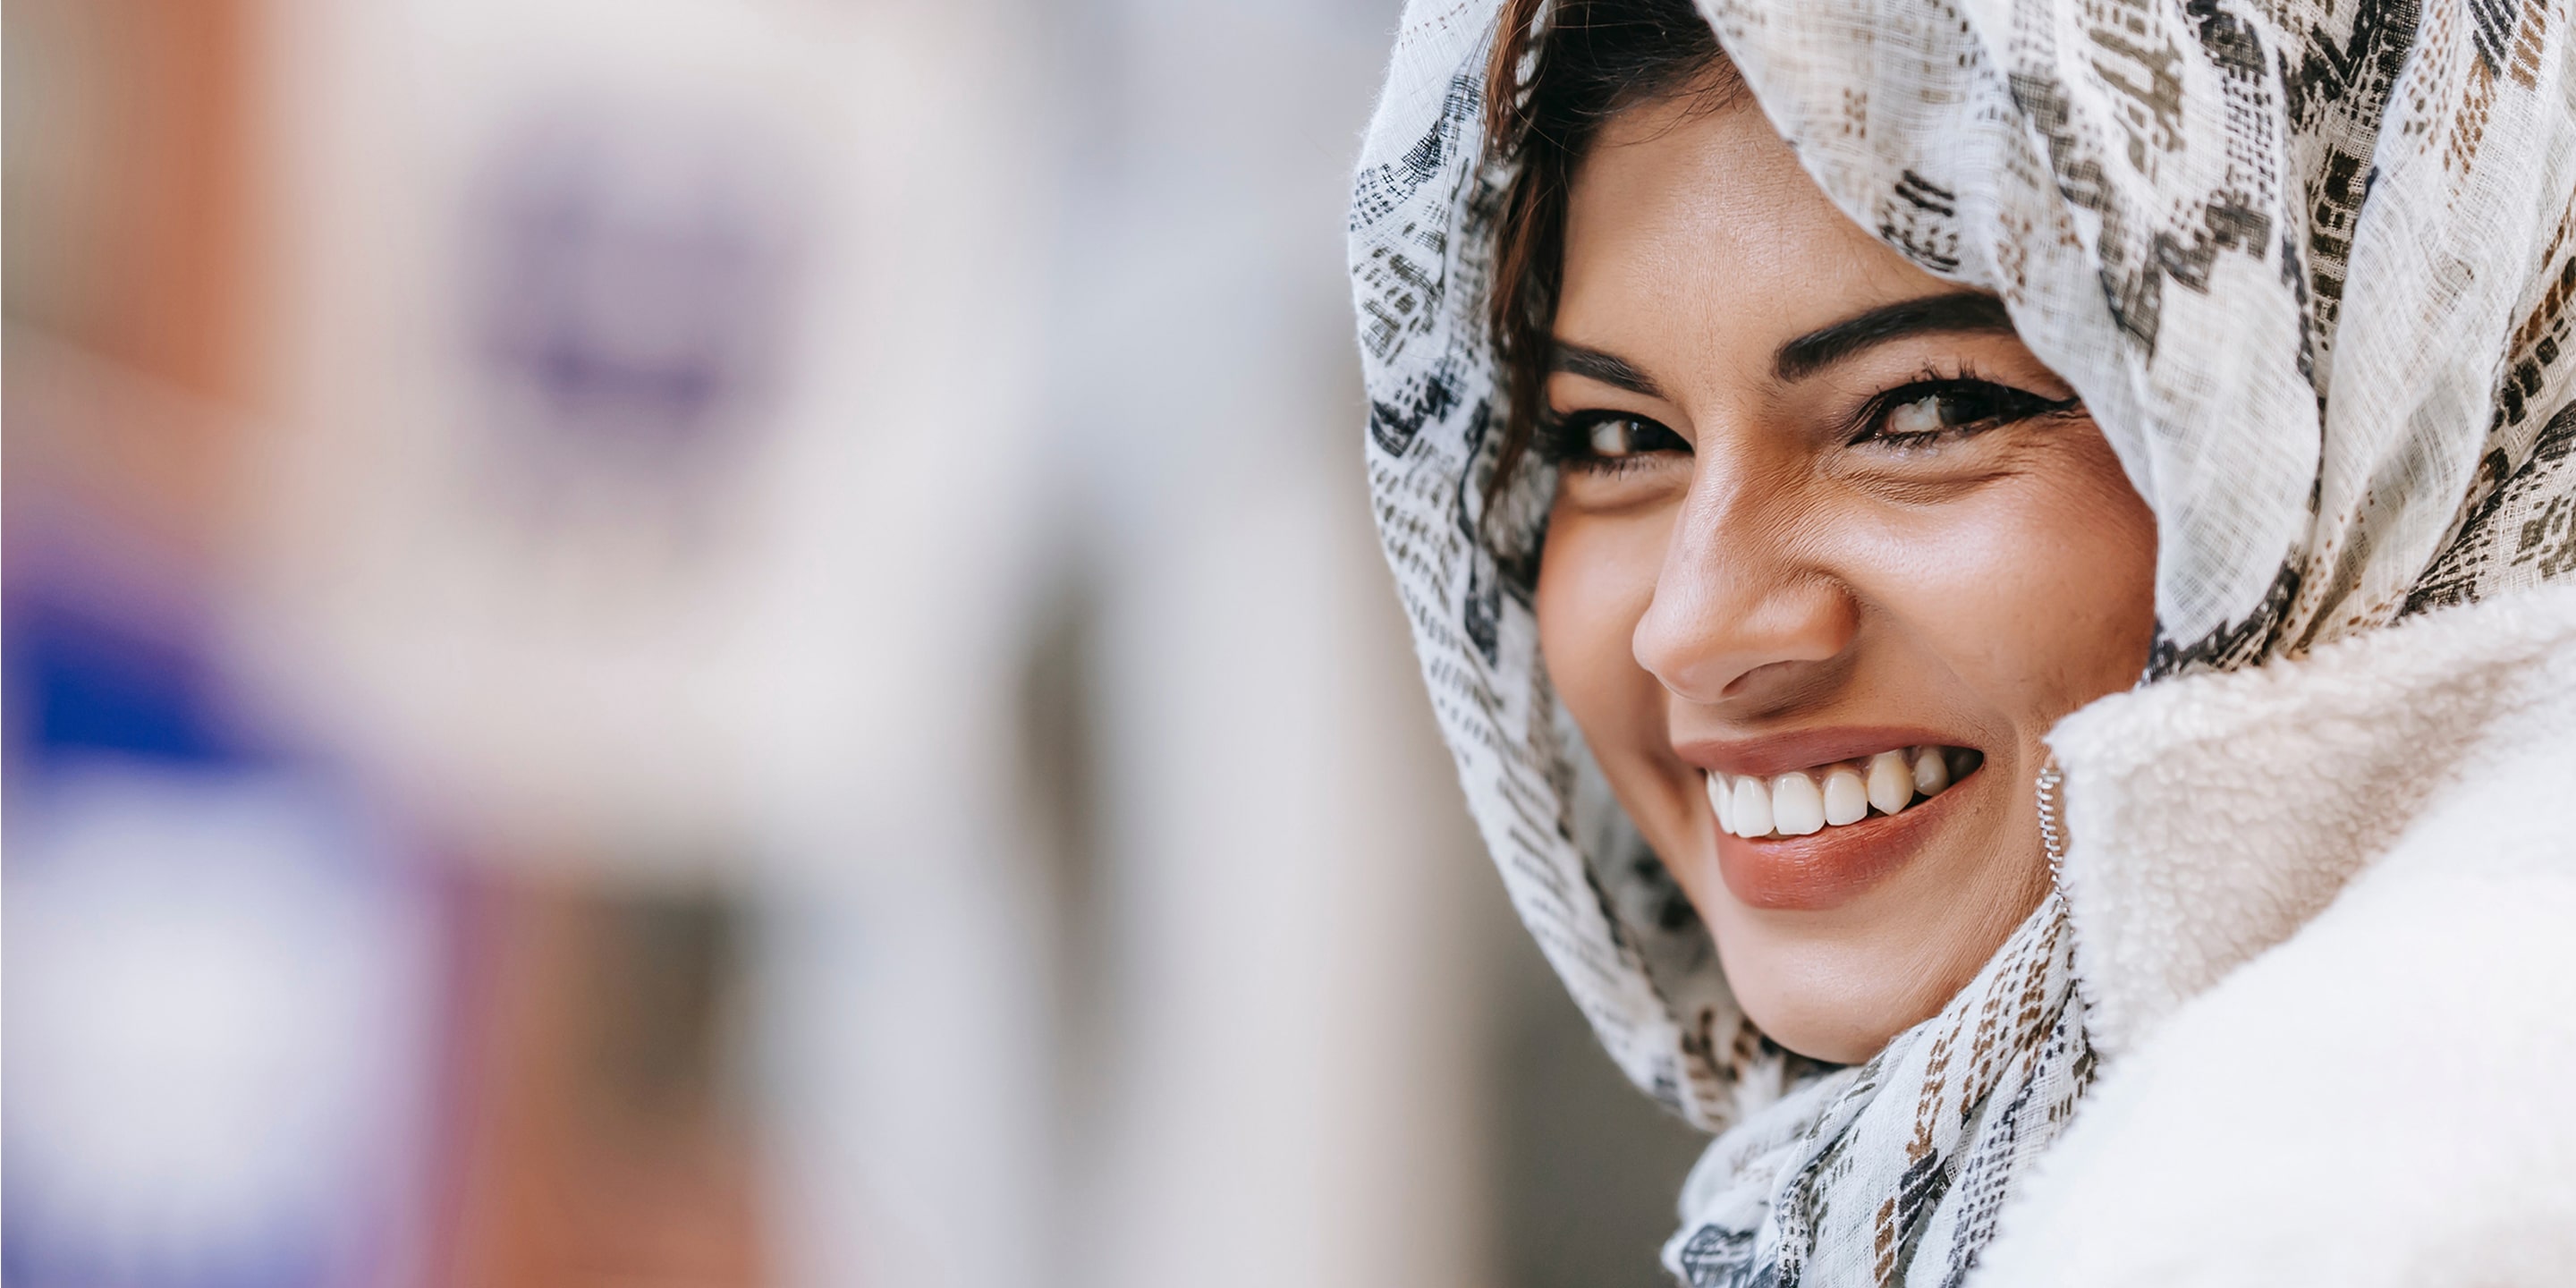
[
  {"x": 1837, "y": 985},
  {"x": 1835, "y": 1003}
]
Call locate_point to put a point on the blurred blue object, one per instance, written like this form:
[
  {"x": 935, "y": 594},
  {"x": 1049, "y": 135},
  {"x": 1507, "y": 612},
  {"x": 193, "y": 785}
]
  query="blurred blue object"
[{"x": 81, "y": 678}]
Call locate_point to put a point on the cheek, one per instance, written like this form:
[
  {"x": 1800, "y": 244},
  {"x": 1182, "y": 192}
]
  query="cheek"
[
  {"x": 2040, "y": 591},
  {"x": 1596, "y": 579}
]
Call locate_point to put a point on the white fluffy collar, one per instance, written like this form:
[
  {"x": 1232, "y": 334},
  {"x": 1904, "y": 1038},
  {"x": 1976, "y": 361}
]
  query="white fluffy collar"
[{"x": 2211, "y": 816}]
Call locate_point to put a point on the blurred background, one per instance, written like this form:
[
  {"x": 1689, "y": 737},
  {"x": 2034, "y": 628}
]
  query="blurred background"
[{"x": 726, "y": 642}]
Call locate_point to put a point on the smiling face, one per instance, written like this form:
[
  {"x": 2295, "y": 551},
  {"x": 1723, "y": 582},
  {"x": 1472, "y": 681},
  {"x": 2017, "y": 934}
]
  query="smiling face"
[{"x": 1830, "y": 553}]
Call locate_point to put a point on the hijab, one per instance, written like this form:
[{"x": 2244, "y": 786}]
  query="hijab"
[{"x": 2307, "y": 262}]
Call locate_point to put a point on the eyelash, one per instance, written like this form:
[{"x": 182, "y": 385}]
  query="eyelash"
[{"x": 1566, "y": 441}]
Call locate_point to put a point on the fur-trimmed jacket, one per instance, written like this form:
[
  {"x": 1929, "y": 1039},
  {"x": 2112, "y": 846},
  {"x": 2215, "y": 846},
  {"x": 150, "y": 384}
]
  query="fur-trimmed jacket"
[{"x": 2325, "y": 917}]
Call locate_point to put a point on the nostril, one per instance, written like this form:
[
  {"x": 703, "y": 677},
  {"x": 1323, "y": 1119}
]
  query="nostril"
[
  {"x": 1724, "y": 633},
  {"x": 1765, "y": 675}
]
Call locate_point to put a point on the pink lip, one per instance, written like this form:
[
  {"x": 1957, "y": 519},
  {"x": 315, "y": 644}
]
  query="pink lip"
[
  {"x": 1823, "y": 869},
  {"x": 1804, "y": 749},
  {"x": 1826, "y": 869}
]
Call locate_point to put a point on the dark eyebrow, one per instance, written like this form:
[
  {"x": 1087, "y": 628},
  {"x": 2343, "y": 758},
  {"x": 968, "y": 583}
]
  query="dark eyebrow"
[
  {"x": 1593, "y": 364},
  {"x": 1971, "y": 312}
]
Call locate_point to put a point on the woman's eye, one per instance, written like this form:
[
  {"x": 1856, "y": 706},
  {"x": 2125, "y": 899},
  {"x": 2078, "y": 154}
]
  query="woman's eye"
[
  {"x": 1608, "y": 439},
  {"x": 1925, "y": 412}
]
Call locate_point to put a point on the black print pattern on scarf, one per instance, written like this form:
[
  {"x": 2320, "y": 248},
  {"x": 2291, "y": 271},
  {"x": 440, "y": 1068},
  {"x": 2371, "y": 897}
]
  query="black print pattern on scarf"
[
  {"x": 1717, "y": 1257},
  {"x": 2524, "y": 530},
  {"x": 1920, "y": 219},
  {"x": 2233, "y": 645},
  {"x": 2337, "y": 94}
]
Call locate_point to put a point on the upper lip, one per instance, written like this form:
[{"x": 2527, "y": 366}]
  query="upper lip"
[{"x": 1780, "y": 753}]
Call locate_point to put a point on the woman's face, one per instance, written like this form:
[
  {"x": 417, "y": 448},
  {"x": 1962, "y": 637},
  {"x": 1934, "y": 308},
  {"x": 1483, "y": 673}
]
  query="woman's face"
[{"x": 1825, "y": 535}]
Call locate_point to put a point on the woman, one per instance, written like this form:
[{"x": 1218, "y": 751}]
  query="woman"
[{"x": 1986, "y": 568}]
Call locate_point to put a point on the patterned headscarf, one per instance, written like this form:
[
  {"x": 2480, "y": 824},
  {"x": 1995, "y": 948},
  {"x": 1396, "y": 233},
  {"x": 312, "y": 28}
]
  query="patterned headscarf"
[{"x": 2308, "y": 263}]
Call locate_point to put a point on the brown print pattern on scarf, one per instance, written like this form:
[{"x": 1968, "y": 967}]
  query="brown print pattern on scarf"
[
  {"x": 2506, "y": 40},
  {"x": 2009, "y": 1024},
  {"x": 2525, "y": 465}
]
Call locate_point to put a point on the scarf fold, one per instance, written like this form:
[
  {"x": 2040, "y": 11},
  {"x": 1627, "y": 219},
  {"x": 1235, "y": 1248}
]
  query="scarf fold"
[{"x": 2307, "y": 262}]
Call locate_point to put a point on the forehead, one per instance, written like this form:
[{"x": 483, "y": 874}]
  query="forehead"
[{"x": 1694, "y": 235}]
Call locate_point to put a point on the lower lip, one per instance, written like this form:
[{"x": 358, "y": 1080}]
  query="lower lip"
[{"x": 1826, "y": 869}]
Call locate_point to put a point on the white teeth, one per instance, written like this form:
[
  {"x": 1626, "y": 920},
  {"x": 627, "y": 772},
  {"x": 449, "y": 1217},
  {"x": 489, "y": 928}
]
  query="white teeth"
[
  {"x": 1891, "y": 782},
  {"x": 1793, "y": 804},
  {"x": 1752, "y": 808},
  {"x": 1797, "y": 808},
  {"x": 1846, "y": 800}
]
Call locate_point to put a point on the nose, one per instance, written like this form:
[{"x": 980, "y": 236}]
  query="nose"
[{"x": 1739, "y": 611}]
